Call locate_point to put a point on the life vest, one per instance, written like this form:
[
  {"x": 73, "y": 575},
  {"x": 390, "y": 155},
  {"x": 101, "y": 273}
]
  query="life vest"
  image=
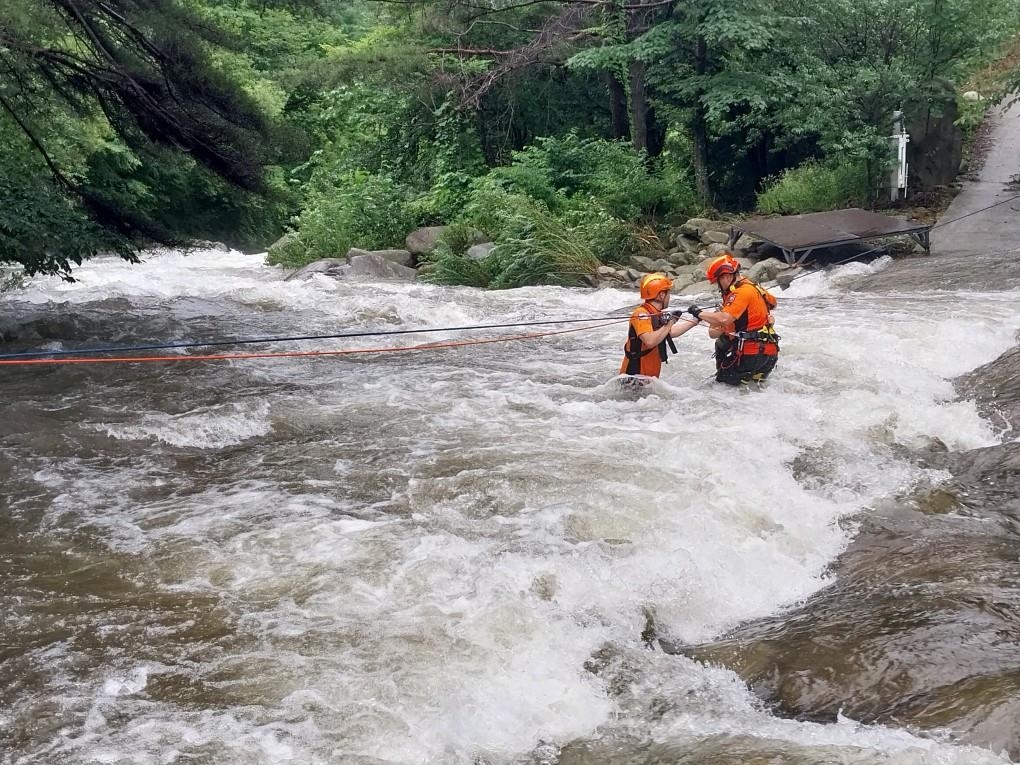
[{"x": 634, "y": 349}]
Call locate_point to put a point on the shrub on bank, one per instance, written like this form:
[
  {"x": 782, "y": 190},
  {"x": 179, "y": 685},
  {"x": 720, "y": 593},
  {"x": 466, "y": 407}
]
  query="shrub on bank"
[
  {"x": 813, "y": 187},
  {"x": 535, "y": 244},
  {"x": 556, "y": 213},
  {"x": 356, "y": 209}
]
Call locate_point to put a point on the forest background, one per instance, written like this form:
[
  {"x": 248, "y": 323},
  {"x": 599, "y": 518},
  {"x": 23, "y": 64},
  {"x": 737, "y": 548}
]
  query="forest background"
[{"x": 570, "y": 132}]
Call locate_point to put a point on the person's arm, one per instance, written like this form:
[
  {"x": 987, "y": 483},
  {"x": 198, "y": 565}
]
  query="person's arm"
[
  {"x": 682, "y": 326},
  {"x": 670, "y": 328},
  {"x": 719, "y": 322}
]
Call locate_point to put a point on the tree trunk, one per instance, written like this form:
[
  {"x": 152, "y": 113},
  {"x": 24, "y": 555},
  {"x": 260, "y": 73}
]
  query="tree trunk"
[
  {"x": 620, "y": 125},
  {"x": 699, "y": 136},
  {"x": 699, "y": 130},
  {"x": 638, "y": 106}
]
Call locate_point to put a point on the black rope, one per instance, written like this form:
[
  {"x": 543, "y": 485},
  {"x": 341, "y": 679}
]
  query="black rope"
[
  {"x": 983, "y": 209},
  {"x": 336, "y": 336}
]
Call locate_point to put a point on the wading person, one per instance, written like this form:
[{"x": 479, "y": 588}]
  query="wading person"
[
  {"x": 746, "y": 346},
  {"x": 649, "y": 337}
]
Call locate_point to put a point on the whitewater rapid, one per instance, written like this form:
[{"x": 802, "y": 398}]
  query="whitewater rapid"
[{"x": 444, "y": 555}]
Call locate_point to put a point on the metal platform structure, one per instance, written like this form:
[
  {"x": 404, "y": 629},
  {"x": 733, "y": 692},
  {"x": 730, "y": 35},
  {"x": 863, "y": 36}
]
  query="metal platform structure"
[{"x": 798, "y": 236}]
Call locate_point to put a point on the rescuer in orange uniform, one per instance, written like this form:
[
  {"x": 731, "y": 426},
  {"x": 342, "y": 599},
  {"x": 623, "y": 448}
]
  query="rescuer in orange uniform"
[
  {"x": 746, "y": 346},
  {"x": 651, "y": 331}
]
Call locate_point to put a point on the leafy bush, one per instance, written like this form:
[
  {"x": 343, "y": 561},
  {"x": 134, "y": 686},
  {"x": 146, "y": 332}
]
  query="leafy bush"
[
  {"x": 359, "y": 209},
  {"x": 43, "y": 229},
  {"x": 813, "y": 187},
  {"x": 450, "y": 268},
  {"x": 535, "y": 247},
  {"x": 288, "y": 251},
  {"x": 611, "y": 174},
  {"x": 444, "y": 201},
  {"x": 544, "y": 251},
  {"x": 458, "y": 238}
]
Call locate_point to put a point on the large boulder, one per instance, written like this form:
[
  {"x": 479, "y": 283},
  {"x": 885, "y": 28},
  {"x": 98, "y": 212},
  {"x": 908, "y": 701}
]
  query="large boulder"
[
  {"x": 373, "y": 267},
  {"x": 715, "y": 237},
  {"x": 682, "y": 257},
  {"x": 766, "y": 270},
  {"x": 695, "y": 227},
  {"x": 327, "y": 266},
  {"x": 400, "y": 257},
  {"x": 423, "y": 240},
  {"x": 700, "y": 287},
  {"x": 688, "y": 244},
  {"x": 480, "y": 251},
  {"x": 745, "y": 243},
  {"x": 644, "y": 263},
  {"x": 715, "y": 250}
]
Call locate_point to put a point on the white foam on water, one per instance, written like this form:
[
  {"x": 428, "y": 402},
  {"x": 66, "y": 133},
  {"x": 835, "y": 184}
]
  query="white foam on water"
[
  {"x": 487, "y": 519},
  {"x": 205, "y": 428}
]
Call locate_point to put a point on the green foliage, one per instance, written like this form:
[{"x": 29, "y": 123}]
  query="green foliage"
[
  {"x": 358, "y": 209},
  {"x": 535, "y": 244},
  {"x": 444, "y": 201},
  {"x": 288, "y": 251},
  {"x": 42, "y": 227},
  {"x": 357, "y": 121},
  {"x": 450, "y": 268},
  {"x": 813, "y": 187},
  {"x": 136, "y": 131},
  {"x": 457, "y": 238},
  {"x": 609, "y": 175},
  {"x": 11, "y": 280},
  {"x": 544, "y": 250}
]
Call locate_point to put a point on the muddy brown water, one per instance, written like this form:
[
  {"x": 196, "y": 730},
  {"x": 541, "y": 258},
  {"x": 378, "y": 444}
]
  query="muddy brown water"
[{"x": 456, "y": 556}]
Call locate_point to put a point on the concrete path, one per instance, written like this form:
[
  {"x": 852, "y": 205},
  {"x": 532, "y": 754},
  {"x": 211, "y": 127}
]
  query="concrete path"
[
  {"x": 998, "y": 229},
  {"x": 981, "y": 251}
]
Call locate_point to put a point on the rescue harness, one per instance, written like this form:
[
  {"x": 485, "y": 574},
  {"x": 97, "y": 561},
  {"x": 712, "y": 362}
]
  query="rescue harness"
[{"x": 748, "y": 354}]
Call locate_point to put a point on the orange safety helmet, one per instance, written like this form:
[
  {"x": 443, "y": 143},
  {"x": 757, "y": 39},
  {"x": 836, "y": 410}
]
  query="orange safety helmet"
[
  {"x": 724, "y": 264},
  {"x": 653, "y": 284}
]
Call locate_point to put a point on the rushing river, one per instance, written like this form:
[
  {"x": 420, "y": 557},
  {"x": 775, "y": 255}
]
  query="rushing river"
[{"x": 465, "y": 555}]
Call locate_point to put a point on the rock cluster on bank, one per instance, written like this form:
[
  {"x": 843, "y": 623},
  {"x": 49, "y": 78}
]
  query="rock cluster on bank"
[{"x": 694, "y": 245}]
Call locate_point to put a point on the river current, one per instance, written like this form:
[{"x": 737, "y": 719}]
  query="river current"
[{"x": 484, "y": 554}]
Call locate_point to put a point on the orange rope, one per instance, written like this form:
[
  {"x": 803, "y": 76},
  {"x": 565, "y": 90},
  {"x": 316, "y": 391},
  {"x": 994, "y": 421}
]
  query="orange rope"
[{"x": 291, "y": 354}]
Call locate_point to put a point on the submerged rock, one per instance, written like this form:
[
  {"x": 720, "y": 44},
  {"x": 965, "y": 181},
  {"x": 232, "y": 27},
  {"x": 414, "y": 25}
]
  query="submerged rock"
[
  {"x": 367, "y": 267},
  {"x": 996, "y": 388},
  {"x": 327, "y": 266}
]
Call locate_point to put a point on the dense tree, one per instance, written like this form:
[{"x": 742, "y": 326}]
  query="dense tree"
[
  {"x": 130, "y": 121},
  {"x": 114, "y": 99}
]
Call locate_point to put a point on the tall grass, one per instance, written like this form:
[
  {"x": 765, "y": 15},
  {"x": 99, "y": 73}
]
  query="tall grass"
[
  {"x": 813, "y": 187},
  {"x": 536, "y": 247}
]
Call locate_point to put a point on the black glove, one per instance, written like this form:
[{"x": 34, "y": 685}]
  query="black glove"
[{"x": 695, "y": 312}]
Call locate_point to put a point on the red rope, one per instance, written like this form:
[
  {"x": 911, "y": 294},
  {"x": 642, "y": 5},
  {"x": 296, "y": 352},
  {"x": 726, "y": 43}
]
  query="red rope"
[{"x": 292, "y": 354}]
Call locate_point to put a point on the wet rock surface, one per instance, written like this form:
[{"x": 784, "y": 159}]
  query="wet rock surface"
[{"x": 919, "y": 628}]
